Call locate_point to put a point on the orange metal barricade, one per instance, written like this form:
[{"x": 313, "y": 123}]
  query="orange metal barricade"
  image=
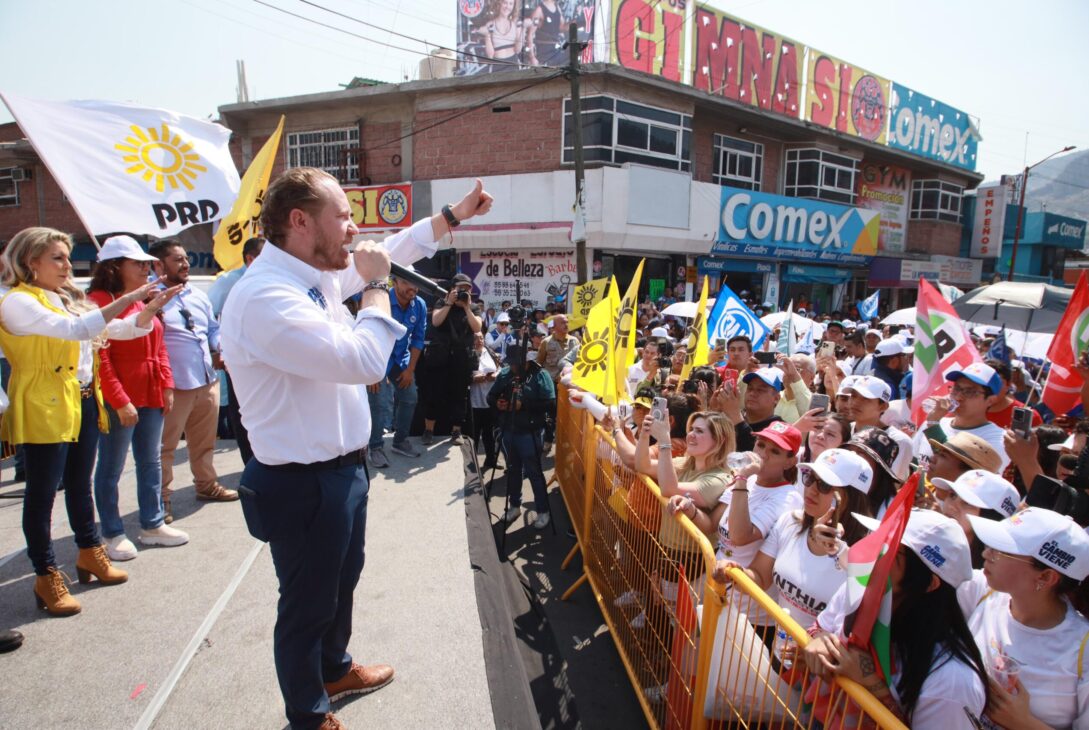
[{"x": 686, "y": 642}]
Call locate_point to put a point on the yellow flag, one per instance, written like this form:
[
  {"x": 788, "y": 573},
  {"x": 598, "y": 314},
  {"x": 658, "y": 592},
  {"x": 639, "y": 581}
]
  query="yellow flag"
[
  {"x": 585, "y": 297},
  {"x": 625, "y": 333},
  {"x": 595, "y": 368},
  {"x": 243, "y": 221},
  {"x": 698, "y": 349}
]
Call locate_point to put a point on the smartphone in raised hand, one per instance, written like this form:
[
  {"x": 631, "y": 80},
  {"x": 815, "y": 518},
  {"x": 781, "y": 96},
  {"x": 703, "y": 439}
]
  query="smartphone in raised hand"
[
  {"x": 660, "y": 409},
  {"x": 821, "y": 401},
  {"x": 1021, "y": 423}
]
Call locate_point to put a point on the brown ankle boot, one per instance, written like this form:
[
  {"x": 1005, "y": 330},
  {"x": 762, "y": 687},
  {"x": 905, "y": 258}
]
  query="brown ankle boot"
[
  {"x": 94, "y": 561},
  {"x": 53, "y": 596}
]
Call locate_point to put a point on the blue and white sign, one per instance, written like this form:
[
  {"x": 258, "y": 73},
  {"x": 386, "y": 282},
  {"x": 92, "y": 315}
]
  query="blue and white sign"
[
  {"x": 868, "y": 306},
  {"x": 778, "y": 227},
  {"x": 928, "y": 128},
  {"x": 708, "y": 266},
  {"x": 730, "y": 317}
]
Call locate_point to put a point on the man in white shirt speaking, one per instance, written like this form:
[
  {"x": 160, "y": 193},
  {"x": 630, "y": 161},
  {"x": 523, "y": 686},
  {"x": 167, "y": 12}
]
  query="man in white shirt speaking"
[{"x": 300, "y": 365}]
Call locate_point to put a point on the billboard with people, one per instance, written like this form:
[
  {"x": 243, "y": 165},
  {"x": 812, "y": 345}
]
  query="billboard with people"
[{"x": 506, "y": 35}]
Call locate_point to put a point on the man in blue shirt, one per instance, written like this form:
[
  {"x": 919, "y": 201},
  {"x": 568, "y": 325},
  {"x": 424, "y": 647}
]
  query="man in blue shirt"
[
  {"x": 191, "y": 335},
  {"x": 395, "y": 397}
]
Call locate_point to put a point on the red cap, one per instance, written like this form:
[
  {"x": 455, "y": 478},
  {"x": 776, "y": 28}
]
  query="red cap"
[{"x": 784, "y": 435}]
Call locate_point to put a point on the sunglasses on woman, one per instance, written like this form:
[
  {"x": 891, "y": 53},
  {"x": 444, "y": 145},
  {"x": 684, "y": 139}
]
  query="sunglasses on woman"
[{"x": 810, "y": 479}]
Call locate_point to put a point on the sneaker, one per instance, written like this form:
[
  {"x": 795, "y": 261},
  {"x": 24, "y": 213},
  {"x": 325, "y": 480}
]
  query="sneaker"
[
  {"x": 512, "y": 514},
  {"x": 542, "y": 520},
  {"x": 657, "y": 694},
  {"x": 163, "y": 536},
  {"x": 628, "y": 598},
  {"x": 404, "y": 448},
  {"x": 217, "y": 493},
  {"x": 640, "y": 621},
  {"x": 360, "y": 680},
  {"x": 119, "y": 548},
  {"x": 377, "y": 458},
  {"x": 428, "y": 438}
]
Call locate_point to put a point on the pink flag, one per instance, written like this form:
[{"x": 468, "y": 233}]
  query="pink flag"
[
  {"x": 1063, "y": 389},
  {"x": 942, "y": 344}
]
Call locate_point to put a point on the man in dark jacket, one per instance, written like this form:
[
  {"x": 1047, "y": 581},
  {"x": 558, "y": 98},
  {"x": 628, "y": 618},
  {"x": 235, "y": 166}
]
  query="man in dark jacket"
[{"x": 522, "y": 394}]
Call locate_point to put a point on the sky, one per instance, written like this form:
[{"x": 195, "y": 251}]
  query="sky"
[{"x": 1017, "y": 66}]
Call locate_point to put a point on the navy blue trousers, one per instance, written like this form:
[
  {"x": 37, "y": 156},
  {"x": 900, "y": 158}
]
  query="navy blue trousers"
[{"x": 315, "y": 524}]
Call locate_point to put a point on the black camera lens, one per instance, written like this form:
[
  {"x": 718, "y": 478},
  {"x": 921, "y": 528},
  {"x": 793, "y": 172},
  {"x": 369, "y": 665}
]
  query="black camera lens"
[
  {"x": 665, "y": 362},
  {"x": 463, "y": 296}
]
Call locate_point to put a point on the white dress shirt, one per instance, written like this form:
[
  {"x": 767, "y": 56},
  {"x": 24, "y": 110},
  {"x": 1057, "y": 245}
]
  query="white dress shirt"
[
  {"x": 300, "y": 370},
  {"x": 22, "y": 314}
]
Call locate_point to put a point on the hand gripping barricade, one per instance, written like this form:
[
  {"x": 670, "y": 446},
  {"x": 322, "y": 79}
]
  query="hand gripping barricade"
[{"x": 692, "y": 655}]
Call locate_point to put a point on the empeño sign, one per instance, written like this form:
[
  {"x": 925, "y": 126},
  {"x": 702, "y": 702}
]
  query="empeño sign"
[{"x": 775, "y": 226}]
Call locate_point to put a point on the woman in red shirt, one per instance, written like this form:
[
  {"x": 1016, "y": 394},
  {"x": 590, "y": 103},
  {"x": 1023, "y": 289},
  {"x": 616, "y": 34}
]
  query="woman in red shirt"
[{"x": 138, "y": 387}]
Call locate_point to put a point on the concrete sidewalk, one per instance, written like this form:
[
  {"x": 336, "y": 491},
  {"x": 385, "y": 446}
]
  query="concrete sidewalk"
[{"x": 187, "y": 642}]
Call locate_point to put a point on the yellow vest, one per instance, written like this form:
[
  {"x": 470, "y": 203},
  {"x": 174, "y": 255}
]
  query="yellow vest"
[{"x": 43, "y": 390}]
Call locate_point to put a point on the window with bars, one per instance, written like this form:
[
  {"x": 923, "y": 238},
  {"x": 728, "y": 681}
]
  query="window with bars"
[
  {"x": 738, "y": 163},
  {"x": 618, "y": 131},
  {"x": 327, "y": 149},
  {"x": 815, "y": 173},
  {"x": 9, "y": 188},
  {"x": 936, "y": 200}
]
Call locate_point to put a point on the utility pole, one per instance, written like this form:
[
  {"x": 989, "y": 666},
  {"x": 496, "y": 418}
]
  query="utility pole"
[
  {"x": 578, "y": 229},
  {"x": 1021, "y": 206}
]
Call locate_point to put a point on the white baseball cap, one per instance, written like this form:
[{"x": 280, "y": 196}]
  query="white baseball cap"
[
  {"x": 869, "y": 387},
  {"x": 938, "y": 541},
  {"x": 123, "y": 247},
  {"x": 846, "y": 384},
  {"x": 660, "y": 332},
  {"x": 842, "y": 468},
  {"x": 1054, "y": 539},
  {"x": 875, "y": 333},
  {"x": 980, "y": 374},
  {"x": 984, "y": 490},
  {"x": 1067, "y": 445},
  {"x": 503, "y": 317},
  {"x": 888, "y": 348},
  {"x": 771, "y": 376}
]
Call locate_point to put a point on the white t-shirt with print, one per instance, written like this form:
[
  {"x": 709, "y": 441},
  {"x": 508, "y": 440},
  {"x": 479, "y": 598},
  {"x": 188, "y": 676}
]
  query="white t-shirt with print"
[
  {"x": 766, "y": 505},
  {"x": 948, "y": 689},
  {"x": 1048, "y": 658},
  {"x": 805, "y": 582},
  {"x": 636, "y": 375}
]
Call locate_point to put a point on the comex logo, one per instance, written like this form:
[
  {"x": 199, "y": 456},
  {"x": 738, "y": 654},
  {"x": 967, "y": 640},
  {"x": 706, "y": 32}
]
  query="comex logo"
[{"x": 161, "y": 156}]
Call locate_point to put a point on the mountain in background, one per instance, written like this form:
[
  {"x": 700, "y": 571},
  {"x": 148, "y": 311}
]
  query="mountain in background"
[{"x": 1060, "y": 186}]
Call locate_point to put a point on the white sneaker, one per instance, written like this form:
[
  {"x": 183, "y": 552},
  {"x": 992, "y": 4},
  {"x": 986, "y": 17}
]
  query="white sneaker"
[
  {"x": 656, "y": 694},
  {"x": 512, "y": 514},
  {"x": 542, "y": 520},
  {"x": 120, "y": 548},
  {"x": 628, "y": 598},
  {"x": 640, "y": 621},
  {"x": 164, "y": 536}
]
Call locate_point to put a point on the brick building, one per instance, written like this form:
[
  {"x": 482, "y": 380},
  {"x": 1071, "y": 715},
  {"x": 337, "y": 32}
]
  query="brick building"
[{"x": 659, "y": 156}]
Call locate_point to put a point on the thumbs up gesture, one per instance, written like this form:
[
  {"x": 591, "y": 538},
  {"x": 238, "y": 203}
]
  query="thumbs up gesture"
[{"x": 477, "y": 201}]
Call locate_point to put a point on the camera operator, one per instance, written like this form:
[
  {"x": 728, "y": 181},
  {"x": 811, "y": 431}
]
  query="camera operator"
[
  {"x": 448, "y": 359},
  {"x": 554, "y": 349},
  {"x": 523, "y": 394}
]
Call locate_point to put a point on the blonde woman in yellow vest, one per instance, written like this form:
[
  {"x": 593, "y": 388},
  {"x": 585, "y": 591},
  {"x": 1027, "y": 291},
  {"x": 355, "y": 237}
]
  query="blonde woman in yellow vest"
[{"x": 46, "y": 330}]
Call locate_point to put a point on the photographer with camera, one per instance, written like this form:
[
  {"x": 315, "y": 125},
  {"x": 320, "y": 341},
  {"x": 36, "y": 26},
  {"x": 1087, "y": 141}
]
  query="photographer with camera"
[
  {"x": 448, "y": 359},
  {"x": 550, "y": 356},
  {"x": 523, "y": 394}
]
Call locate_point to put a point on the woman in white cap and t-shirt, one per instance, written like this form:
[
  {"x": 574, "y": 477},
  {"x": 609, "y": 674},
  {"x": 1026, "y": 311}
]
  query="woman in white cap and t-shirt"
[
  {"x": 977, "y": 493},
  {"x": 800, "y": 553},
  {"x": 939, "y": 677},
  {"x": 1036, "y": 561}
]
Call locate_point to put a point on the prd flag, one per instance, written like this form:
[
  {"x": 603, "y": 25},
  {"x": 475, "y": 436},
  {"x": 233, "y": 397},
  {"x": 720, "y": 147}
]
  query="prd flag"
[
  {"x": 243, "y": 222},
  {"x": 867, "y": 308},
  {"x": 130, "y": 168},
  {"x": 1062, "y": 391},
  {"x": 730, "y": 317},
  {"x": 698, "y": 350},
  {"x": 586, "y": 296},
  {"x": 868, "y": 586},
  {"x": 625, "y": 333},
  {"x": 942, "y": 344},
  {"x": 595, "y": 368}
]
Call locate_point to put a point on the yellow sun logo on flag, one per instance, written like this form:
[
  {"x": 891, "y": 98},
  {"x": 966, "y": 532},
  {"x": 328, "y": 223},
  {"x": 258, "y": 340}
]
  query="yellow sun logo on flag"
[{"x": 162, "y": 156}]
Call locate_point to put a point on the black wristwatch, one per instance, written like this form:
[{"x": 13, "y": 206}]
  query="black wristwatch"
[{"x": 451, "y": 219}]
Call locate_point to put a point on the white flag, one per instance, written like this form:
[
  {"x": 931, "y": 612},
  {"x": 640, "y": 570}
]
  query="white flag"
[{"x": 130, "y": 168}]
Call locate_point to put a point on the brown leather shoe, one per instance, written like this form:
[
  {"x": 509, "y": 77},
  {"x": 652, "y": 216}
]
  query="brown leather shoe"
[
  {"x": 332, "y": 723},
  {"x": 360, "y": 680},
  {"x": 217, "y": 493},
  {"x": 94, "y": 561},
  {"x": 52, "y": 594}
]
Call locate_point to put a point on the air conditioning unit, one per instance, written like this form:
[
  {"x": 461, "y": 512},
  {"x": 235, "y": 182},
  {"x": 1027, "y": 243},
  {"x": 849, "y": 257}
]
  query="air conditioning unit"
[{"x": 19, "y": 174}]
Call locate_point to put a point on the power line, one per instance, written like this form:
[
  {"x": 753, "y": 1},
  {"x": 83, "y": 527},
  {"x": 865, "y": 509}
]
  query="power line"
[{"x": 467, "y": 110}]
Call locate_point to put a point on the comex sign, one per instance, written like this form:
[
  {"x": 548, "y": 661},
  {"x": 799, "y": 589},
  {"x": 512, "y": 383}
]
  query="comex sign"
[
  {"x": 775, "y": 226},
  {"x": 927, "y": 127}
]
